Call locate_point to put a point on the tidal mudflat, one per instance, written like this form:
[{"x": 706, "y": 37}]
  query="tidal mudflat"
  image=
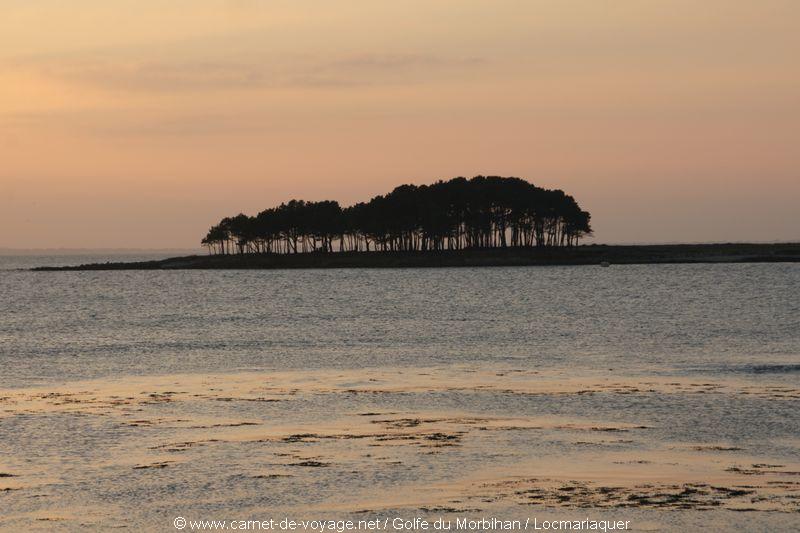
[{"x": 462, "y": 441}]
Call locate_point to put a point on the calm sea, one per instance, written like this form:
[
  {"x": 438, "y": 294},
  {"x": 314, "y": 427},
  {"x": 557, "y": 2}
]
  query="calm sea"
[
  {"x": 663, "y": 394},
  {"x": 740, "y": 319}
]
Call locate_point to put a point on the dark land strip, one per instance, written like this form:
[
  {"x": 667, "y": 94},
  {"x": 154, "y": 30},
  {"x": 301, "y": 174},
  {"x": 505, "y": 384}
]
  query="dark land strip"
[{"x": 578, "y": 255}]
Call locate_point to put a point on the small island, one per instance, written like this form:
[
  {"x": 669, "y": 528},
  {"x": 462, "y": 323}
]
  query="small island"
[{"x": 483, "y": 221}]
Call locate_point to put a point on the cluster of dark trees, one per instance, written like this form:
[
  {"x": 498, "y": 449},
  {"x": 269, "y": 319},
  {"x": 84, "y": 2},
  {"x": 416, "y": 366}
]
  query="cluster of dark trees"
[{"x": 482, "y": 212}]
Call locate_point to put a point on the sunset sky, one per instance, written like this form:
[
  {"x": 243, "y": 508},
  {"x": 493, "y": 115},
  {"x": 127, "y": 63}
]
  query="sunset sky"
[{"x": 138, "y": 123}]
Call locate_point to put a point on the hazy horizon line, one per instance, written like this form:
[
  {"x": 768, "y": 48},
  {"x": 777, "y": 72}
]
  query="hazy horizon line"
[{"x": 4, "y": 250}]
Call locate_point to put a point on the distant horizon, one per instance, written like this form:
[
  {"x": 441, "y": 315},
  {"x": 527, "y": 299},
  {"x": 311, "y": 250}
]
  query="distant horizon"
[{"x": 5, "y": 250}]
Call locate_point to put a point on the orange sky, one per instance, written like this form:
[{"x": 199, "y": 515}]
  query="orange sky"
[{"x": 137, "y": 123}]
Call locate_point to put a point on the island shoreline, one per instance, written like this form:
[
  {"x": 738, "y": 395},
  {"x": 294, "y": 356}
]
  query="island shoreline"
[{"x": 593, "y": 254}]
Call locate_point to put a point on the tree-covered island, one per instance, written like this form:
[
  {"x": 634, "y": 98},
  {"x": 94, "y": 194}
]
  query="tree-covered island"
[{"x": 458, "y": 214}]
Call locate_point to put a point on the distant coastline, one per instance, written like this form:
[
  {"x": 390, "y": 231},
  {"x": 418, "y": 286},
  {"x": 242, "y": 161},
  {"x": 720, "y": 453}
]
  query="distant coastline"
[{"x": 594, "y": 254}]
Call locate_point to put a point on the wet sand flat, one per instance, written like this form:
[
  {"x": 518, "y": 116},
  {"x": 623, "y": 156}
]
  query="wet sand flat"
[{"x": 460, "y": 440}]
